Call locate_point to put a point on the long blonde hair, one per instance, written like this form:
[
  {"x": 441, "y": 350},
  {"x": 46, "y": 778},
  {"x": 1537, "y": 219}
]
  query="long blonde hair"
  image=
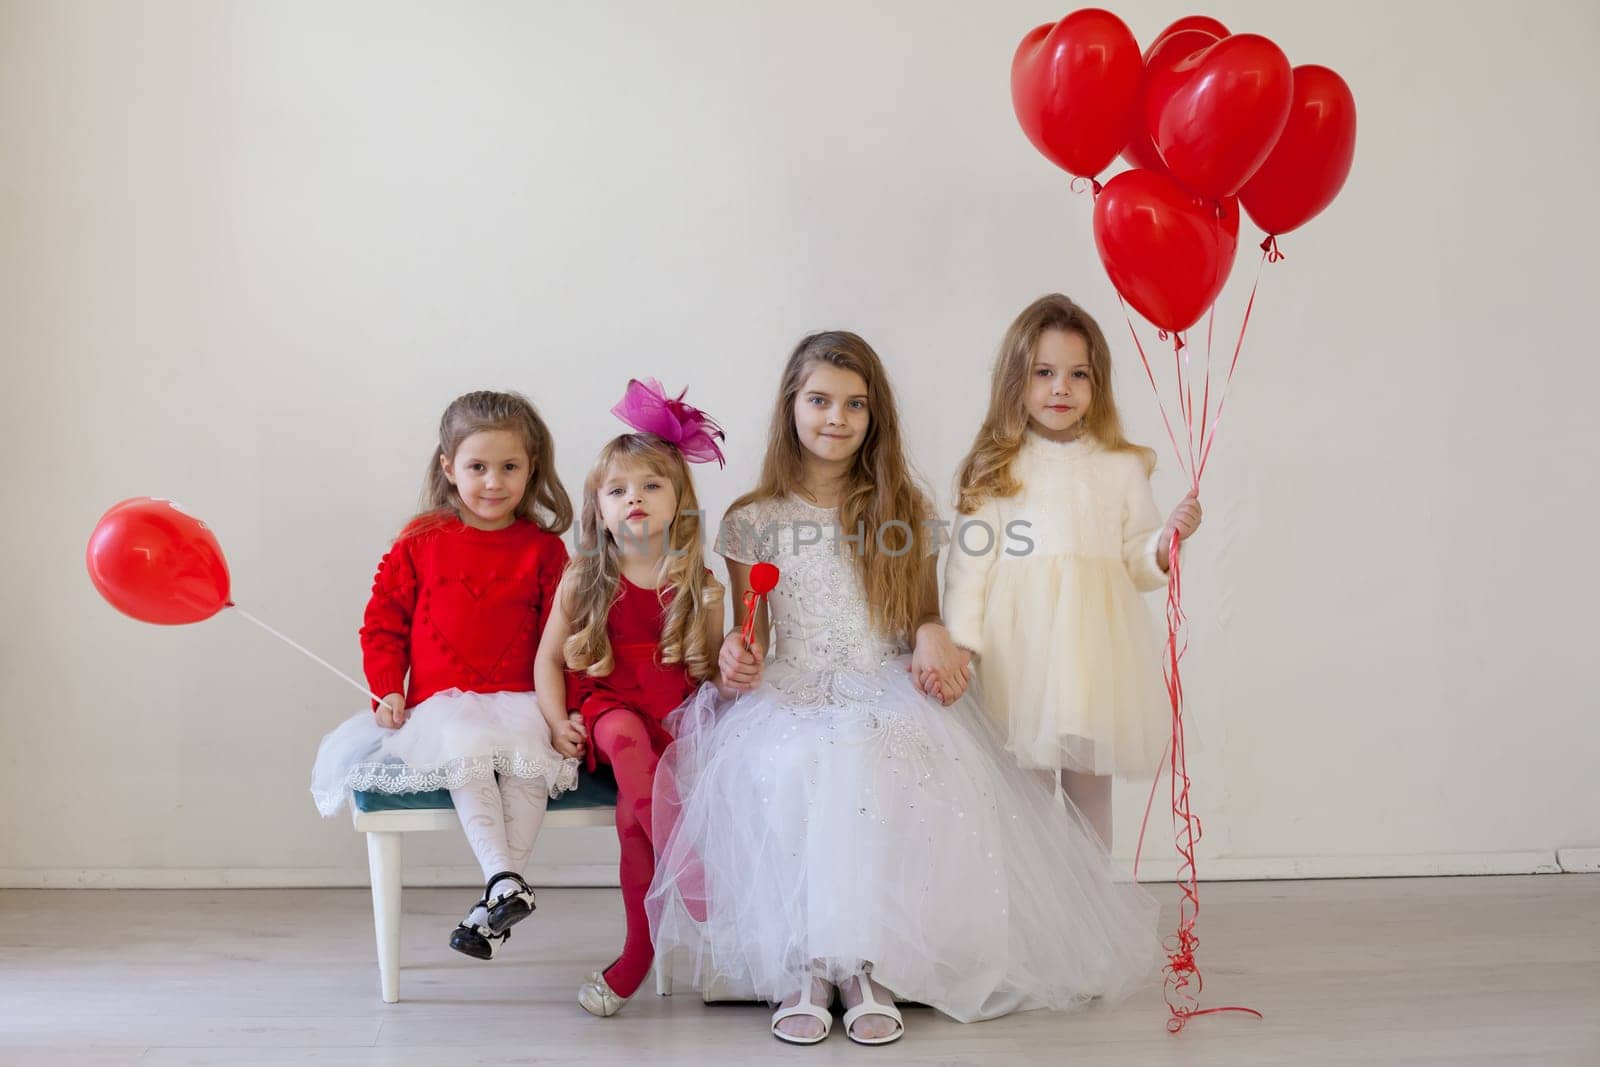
[
  {"x": 986, "y": 471},
  {"x": 879, "y": 487},
  {"x": 595, "y": 573},
  {"x": 544, "y": 502}
]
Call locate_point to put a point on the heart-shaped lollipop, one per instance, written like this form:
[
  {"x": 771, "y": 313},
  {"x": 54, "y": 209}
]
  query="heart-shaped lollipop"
[{"x": 763, "y": 580}]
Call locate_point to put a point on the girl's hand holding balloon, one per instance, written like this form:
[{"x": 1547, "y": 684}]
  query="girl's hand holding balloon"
[
  {"x": 1184, "y": 521},
  {"x": 1185, "y": 518},
  {"x": 391, "y": 711}
]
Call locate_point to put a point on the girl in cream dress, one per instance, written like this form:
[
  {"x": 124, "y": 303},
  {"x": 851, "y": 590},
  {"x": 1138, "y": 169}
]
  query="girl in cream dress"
[{"x": 1056, "y": 539}]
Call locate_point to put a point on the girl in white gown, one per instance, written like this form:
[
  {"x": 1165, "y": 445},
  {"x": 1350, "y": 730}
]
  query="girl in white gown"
[{"x": 850, "y": 819}]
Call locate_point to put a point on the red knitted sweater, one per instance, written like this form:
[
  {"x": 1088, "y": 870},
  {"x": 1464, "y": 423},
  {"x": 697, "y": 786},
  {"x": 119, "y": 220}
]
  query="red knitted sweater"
[{"x": 461, "y": 608}]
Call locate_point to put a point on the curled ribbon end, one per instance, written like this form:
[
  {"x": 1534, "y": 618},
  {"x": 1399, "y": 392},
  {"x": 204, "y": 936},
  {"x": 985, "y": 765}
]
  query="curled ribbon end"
[{"x": 1270, "y": 247}]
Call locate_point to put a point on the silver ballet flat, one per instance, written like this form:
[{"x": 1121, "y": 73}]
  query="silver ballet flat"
[{"x": 597, "y": 997}]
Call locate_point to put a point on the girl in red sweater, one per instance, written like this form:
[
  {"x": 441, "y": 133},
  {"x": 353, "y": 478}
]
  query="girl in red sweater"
[
  {"x": 457, "y": 609},
  {"x": 637, "y": 621}
]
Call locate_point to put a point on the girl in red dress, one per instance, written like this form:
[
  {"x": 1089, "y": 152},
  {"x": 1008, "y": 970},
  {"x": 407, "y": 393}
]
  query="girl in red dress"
[
  {"x": 635, "y": 627},
  {"x": 457, "y": 608}
]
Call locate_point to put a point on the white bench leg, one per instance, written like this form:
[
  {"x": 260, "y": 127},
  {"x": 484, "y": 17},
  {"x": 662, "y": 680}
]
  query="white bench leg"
[
  {"x": 663, "y": 974},
  {"x": 383, "y": 862}
]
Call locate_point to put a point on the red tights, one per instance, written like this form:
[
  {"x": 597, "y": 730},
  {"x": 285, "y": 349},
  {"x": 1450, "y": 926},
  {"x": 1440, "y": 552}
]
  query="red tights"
[{"x": 622, "y": 740}]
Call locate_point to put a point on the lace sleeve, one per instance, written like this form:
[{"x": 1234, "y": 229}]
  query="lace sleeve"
[{"x": 739, "y": 536}]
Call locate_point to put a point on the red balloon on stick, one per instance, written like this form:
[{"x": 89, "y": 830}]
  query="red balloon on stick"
[
  {"x": 1167, "y": 251},
  {"x": 1217, "y": 114},
  {"x": 1074, "y": 84},
  {"x": 155, "y": 562},
  {"x": 152, "y": 560},
  {"x": 763, "y": 580},
  {"x": 1311, "y": 160}
]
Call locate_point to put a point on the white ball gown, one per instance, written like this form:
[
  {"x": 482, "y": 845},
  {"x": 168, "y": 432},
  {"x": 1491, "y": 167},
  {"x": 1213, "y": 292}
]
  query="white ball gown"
[{"x": 837, "y": 817}]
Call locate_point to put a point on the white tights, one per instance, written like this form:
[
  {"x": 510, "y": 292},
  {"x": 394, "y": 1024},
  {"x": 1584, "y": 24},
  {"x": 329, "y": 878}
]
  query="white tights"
[
  {"x": 501, "y": 817},
  {"x": 1091, "y": 794}
]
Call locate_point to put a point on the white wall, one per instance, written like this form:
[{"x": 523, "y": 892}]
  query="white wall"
[{"x": 250, "y": 250}]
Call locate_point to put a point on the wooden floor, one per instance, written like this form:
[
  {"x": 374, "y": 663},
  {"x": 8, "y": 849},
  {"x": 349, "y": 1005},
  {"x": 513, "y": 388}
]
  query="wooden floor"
[{"x": 1442, "y": 971}]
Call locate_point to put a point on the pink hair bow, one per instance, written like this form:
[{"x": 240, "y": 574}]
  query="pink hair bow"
[{"x": 647, "y": 408}]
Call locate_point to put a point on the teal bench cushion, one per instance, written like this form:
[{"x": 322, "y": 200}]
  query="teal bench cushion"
[{"x": 597, "y": 790}]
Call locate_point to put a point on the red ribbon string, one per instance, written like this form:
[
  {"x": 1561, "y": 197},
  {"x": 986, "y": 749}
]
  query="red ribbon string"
[
  {"x": 1183, "y": 980},
  {"x": 1208, "y": 434},
  {"x": 1182, "y": 969},
  {"x": 1128, "y": 318},
  {"x": 1270, "y": 247}
]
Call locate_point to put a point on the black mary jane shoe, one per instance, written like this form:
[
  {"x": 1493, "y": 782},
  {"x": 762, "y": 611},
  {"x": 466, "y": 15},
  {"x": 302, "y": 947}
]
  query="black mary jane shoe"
[
  {"x": 476, "y": 939},
  {"x": 509, "y": 908},
  {"x": 479, "y": 942}
]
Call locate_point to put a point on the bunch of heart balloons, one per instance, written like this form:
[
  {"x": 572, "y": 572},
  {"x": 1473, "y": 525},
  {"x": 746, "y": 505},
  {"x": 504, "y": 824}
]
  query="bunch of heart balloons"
[{"x": 1210, "y": 121}]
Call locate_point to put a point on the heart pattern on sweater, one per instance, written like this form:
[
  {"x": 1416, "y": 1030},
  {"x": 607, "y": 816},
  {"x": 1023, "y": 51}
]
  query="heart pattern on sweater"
[{"x": 482, "y": 620}]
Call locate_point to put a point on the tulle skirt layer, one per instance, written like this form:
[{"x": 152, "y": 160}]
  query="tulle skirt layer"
[
  {"x": 448, "y": 740},
  {"x": 868, "y": 825},
  {"x": 1081, "y": 688}
]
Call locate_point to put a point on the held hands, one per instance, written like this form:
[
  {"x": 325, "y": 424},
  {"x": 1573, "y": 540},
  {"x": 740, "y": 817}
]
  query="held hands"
[
  {"x": 391, "y": 711},
  {"x": 939, "y": 668},
  {"x": 568, "y": 738},
  {"x": 739, "y": 665}
]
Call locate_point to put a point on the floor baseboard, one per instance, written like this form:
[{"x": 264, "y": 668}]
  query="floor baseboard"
[
  {"x": 1151, "y": 869},
  {"x": 1289, "y": 868},
  {"x": 1579, "y": 860},
  {"x": 281, "y": 877}
]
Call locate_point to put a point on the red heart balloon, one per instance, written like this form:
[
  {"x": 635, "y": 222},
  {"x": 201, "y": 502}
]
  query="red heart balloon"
[
  {"x": 1216, "y": 115},
  {"x": 1196, "y": 22},
  {"x": 1311, "y": 160},
  {"x": 1074, "y": 84},
  {"x": 157, "y": 563},
  {"x": 1167, "y": 251},
  {"x": 1170, "y": 49}
]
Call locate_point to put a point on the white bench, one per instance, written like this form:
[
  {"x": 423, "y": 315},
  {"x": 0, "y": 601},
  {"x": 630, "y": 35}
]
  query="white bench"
[{"x": 385, "y": 830}]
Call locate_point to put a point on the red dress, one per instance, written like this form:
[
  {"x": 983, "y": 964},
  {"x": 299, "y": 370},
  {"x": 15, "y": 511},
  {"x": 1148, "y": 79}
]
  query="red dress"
[{"x": 638, "y": 680}]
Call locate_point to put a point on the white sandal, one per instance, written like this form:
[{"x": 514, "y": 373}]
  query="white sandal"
[
  {"x": 871, "y": 1005},
  {"x": 807, "y": 1007}
]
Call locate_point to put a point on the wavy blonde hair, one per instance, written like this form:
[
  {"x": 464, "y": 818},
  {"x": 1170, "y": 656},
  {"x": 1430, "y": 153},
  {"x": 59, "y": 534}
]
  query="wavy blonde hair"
[
  {"x": 544, "y": 502},
  {"x": 986, "y": 471},
  {"x": 595, "y": 574},
  {"x": 879, "y": 487}
]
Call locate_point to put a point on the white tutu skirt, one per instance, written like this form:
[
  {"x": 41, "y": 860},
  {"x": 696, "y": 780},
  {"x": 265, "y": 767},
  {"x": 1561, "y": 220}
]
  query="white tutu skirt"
[
  {"x": 448, "y": 740},
  {"x": 842, "y": 819}
]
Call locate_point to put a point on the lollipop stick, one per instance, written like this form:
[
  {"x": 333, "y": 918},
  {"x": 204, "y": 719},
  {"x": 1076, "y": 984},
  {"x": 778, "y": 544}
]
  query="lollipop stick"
[{"x": 751, "y": 600}]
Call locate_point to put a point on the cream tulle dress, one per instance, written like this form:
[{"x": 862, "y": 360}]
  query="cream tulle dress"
[{"x": 1067, "y": 647}]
